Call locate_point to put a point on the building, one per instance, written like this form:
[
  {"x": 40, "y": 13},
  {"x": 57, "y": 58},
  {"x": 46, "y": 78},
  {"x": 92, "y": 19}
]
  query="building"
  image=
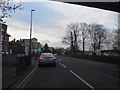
[
  {"x": 16, "y": 47},
  {"x": 34, "y": 45},
  {"x": 0, "y": 40},
  {"x": 25, "y": 44},
  {"x": 4, "y": 38},
  {"x": 38, "y": 48}
]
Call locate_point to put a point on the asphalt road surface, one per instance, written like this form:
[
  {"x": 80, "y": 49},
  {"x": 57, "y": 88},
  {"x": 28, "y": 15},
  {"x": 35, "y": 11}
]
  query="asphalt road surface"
[{"x": 74, "y": 73}]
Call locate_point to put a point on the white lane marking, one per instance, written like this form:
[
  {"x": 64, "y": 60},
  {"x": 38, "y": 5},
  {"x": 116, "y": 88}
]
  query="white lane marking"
[
  {"x": 62, "y": 65},
  {"x": 107, "y": 75},
  {"x": 82, "y": 80}
]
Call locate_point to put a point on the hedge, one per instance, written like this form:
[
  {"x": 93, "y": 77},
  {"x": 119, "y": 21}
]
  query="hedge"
[{"x": 106, "y": 59}]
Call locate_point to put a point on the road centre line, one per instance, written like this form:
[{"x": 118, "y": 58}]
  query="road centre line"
[
  {"x": 62, "y": 65},
  {"x": 26, "y": 77},
  {"x": 82, "y": 80}
]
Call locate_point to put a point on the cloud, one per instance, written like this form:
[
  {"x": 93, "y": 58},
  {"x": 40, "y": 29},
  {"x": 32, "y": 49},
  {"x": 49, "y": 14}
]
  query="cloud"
[
  {"x": 50, "y": 40},
  {"x": 50, "y": 20},
  {"x": 79, "y": 13},
  {"x": 17, "y": 24},
  {"x": 19, "y": 29}
]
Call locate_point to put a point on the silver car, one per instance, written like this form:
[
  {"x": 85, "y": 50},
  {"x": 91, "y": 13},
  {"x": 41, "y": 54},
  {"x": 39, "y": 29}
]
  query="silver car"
[{"x": 47, "y": 58}]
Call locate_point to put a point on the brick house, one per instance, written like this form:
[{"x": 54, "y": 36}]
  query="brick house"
[
  {"x": 26, "y": 44},
  {"x": 4, "y": 38},
  {"x": 0, "y": 41},
  {"x": 16, "y": 47}
]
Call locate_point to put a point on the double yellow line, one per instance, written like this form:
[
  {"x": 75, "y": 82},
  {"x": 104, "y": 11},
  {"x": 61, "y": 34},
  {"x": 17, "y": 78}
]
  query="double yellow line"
[{"x": 24, "y": 82}]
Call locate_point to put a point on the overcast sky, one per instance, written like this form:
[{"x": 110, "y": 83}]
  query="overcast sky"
[{"x": 50, "y": 19}]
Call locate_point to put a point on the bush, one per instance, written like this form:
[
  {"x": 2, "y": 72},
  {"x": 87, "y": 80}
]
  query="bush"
[{"x": 106, "y": 59}]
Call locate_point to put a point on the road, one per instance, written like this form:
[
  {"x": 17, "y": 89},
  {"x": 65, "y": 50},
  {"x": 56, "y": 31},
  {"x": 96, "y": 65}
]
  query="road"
[{"x": 74, "y": 73}]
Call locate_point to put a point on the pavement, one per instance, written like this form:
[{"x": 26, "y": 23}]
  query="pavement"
[
  {"x": 75, "y": 73},
  {"x": 9, "y": 76}
]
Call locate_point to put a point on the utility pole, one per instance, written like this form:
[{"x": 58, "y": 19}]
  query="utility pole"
[{"x": 30, "y": 32}]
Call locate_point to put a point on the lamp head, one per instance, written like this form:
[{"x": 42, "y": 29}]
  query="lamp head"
[{"x": 32, "y": 10}]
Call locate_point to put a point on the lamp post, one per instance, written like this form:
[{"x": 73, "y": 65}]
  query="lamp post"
[{"x": 30, "y": 31}]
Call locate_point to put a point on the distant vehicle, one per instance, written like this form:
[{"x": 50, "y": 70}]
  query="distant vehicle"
[{"x": 47, "y": 58}]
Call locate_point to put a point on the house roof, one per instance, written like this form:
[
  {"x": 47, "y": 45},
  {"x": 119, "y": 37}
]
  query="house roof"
[{"x": 6, "y": 34}]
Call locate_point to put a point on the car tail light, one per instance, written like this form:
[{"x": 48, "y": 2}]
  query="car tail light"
[
  {"x": 53, "y": 58},
  {"x": 41, "y": 58}
]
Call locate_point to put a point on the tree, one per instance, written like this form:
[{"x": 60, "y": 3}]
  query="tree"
[
  {"x": 116, "y": 43},
  {"x": 84, "y": 34},
  {"x": 59, "y": 50},
  {"x": 71, "y": 37},
  {"x": 68, "y": 39},
  {"x": 98, "y": 36},
  {"x": 46, "y": 48},
  {"x": 6, "y": 8}
]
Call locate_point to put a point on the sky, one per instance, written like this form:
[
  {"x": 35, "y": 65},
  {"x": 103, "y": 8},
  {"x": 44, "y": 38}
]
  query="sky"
[{"x": 50, "y": 19}]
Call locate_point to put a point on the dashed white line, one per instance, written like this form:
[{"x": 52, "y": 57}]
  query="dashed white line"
[
  {"x": 82, "y": 80},
  {"x": 107, "y": 75},
  {"x": 62, "y": 65},
  {"x": 79, "y": 77}
]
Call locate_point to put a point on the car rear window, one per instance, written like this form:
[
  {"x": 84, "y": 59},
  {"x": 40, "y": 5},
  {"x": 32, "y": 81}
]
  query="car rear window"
[{"x": 47, "y": 55}]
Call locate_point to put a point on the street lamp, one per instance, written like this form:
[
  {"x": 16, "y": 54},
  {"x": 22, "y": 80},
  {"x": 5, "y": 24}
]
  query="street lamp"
[{"x": 30, "y": 31}]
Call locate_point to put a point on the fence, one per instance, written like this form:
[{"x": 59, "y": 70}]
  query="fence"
[
  {"x": 12, "y": 67},
  {"x": 22, "y": 63}
]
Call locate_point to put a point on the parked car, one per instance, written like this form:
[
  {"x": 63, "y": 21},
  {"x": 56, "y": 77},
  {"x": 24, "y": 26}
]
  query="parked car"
[{"x": 47, "y": 58}]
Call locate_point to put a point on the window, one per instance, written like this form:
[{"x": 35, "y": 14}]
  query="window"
[
  {"x": 6, "y": 38},
  {"x": 2, "y": 29},
  {"x": 1, "y": 38}
]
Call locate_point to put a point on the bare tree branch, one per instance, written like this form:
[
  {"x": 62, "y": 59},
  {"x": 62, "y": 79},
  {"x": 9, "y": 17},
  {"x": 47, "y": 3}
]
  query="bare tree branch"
[
  {"x": 84, "y": 34},
  {"x": 6, "y": 8},
  {"x": 71, "y": 37},
  {"x": 98, "y": 36}
]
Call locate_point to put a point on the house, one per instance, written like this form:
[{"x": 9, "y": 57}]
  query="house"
[
  {"x": 34, "y": 45},
  {"x": 16, "y": 47},
  {"x": 0, "y": 41},
  {"x": 4, "y": 38}
]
